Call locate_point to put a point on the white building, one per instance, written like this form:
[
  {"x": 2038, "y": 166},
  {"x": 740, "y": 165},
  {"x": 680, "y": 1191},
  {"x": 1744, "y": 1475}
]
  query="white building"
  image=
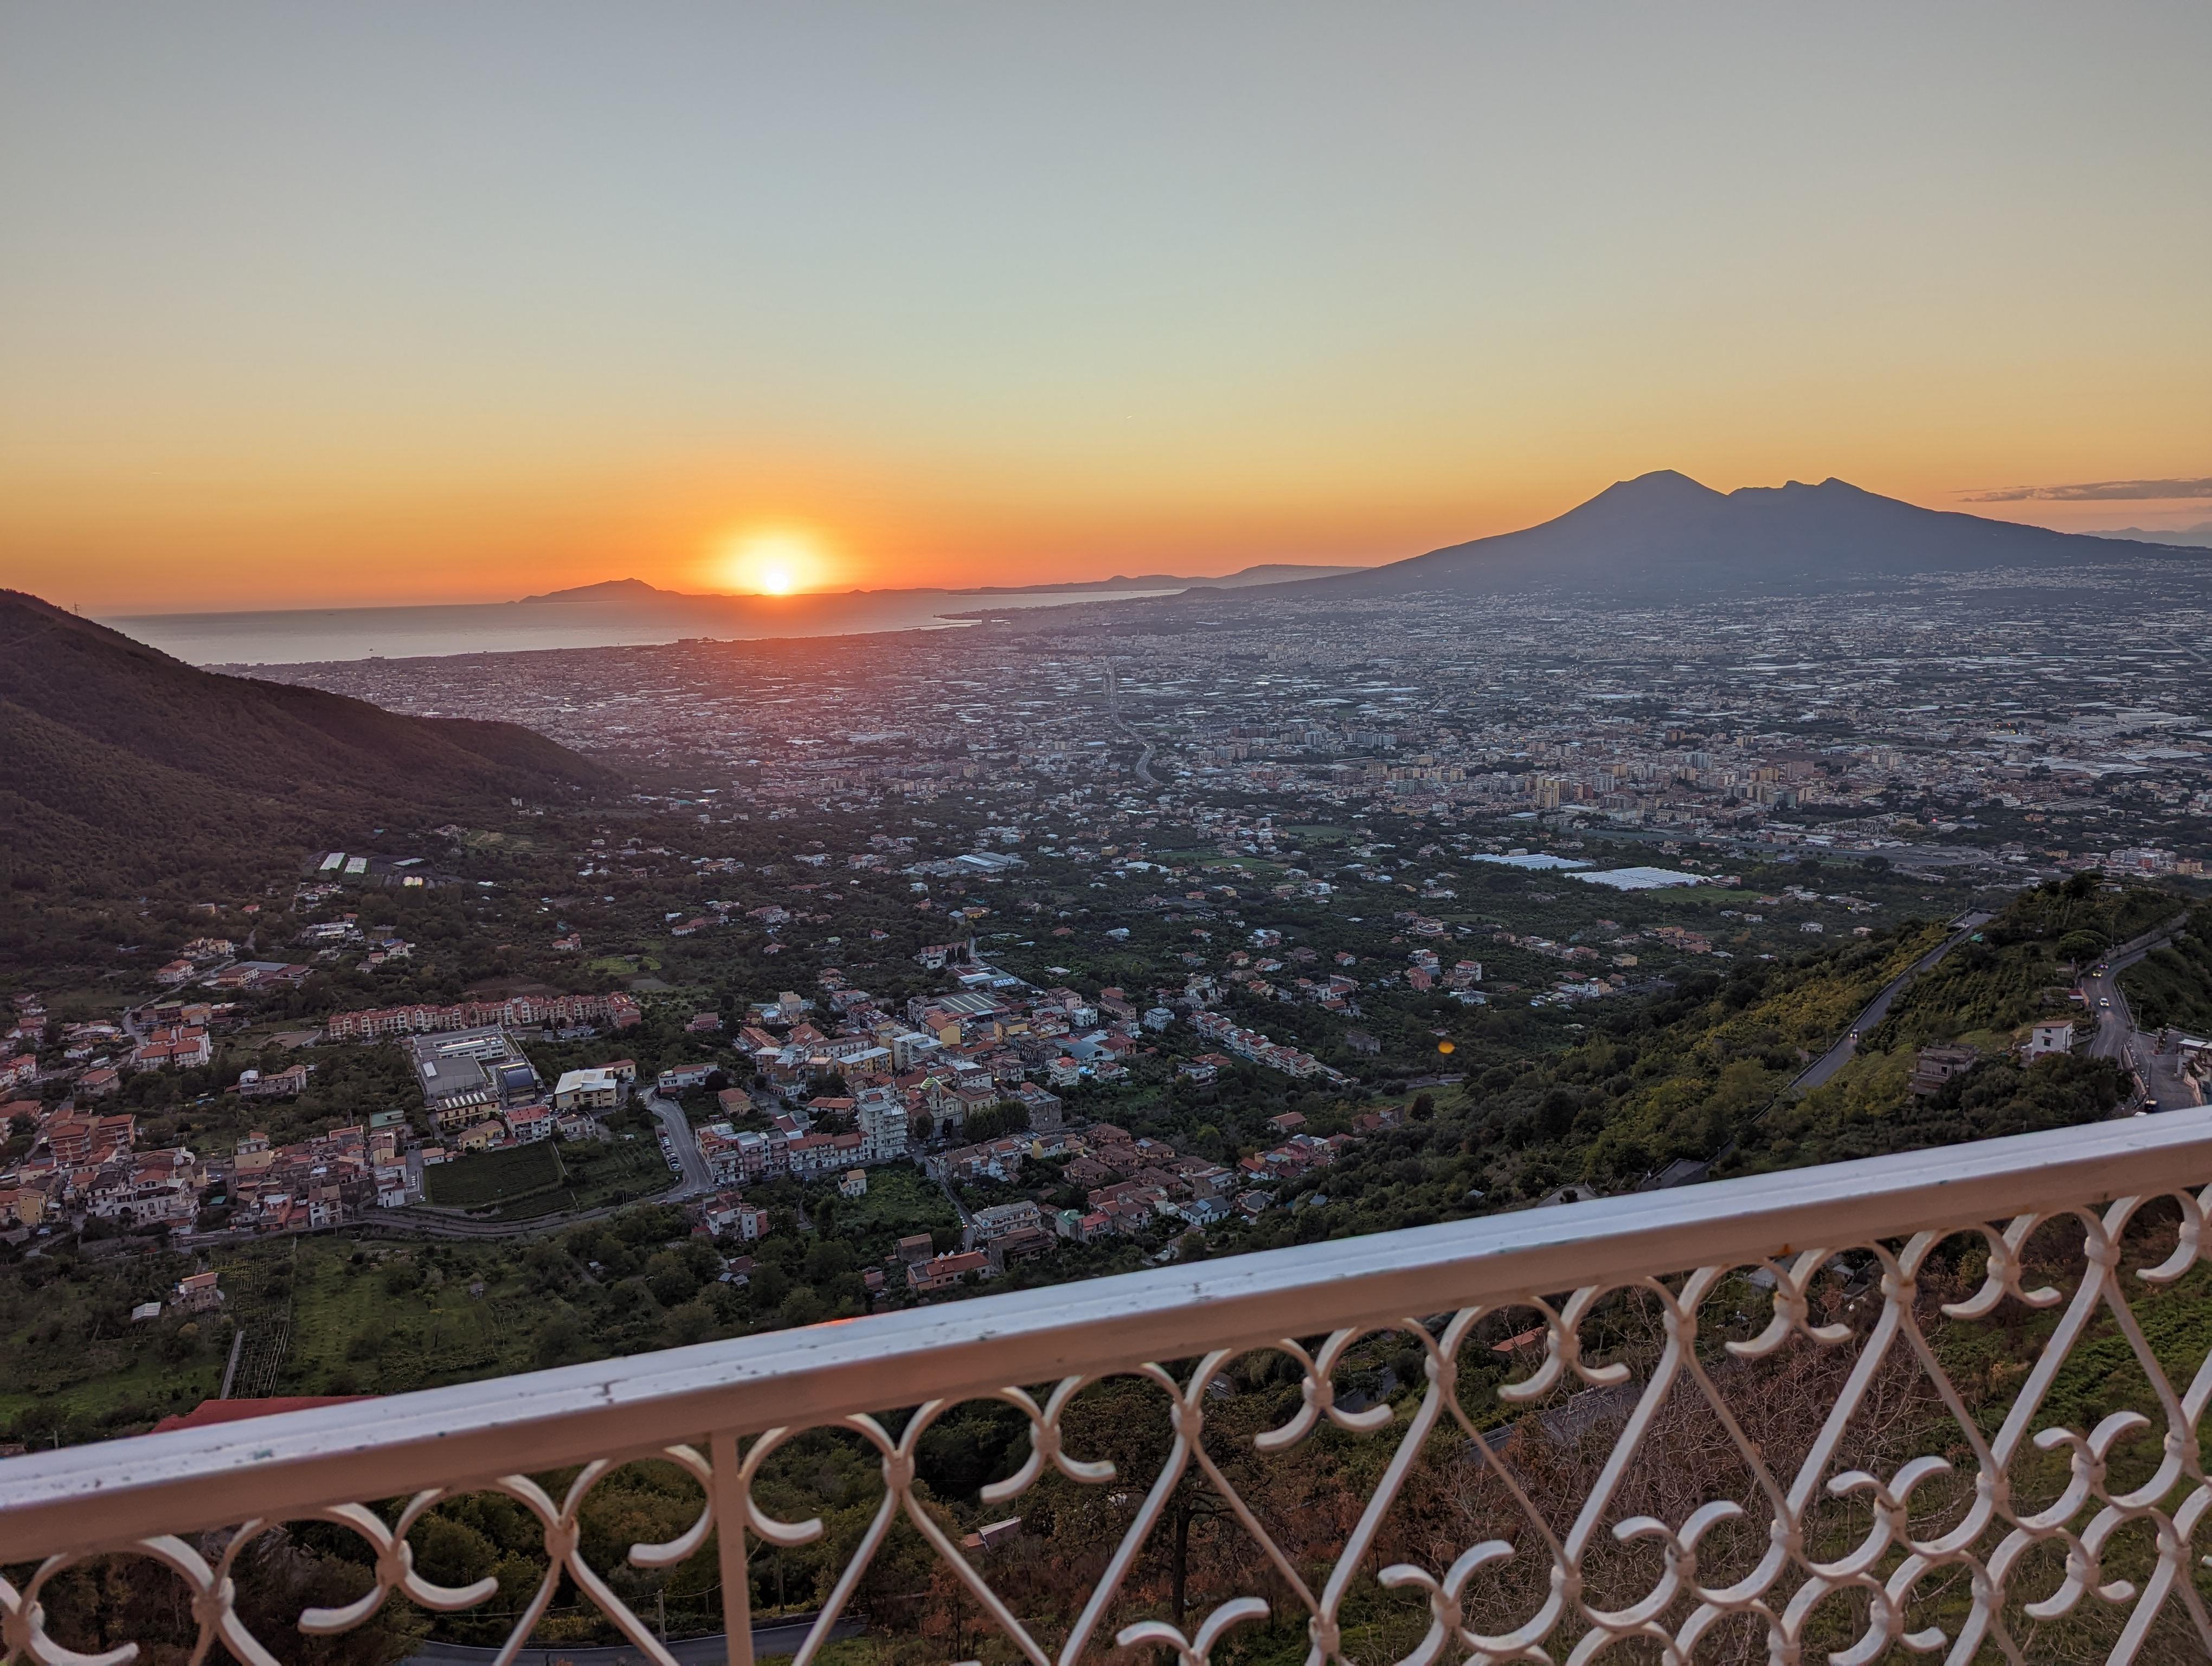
[
  {"x": 733, "y": 1217},
  {"x": 589, "y": 1090},
  {"x": 880, "y": 1115}
]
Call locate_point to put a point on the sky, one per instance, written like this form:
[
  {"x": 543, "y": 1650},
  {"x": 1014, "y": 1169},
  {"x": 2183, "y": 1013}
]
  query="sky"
[{"x": 333, "y": 304}]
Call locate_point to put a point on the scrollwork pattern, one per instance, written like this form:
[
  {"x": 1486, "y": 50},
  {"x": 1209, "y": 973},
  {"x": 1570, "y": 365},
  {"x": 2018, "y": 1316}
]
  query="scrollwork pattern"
[{"x": 1948, "y": 1518}]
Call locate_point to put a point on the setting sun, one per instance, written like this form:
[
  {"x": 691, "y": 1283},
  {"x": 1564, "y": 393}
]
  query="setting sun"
[{"x": 771, "y": 562}]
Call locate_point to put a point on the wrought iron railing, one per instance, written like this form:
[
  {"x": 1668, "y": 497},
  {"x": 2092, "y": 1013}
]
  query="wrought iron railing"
[{"x": 1944, "y": 1403}]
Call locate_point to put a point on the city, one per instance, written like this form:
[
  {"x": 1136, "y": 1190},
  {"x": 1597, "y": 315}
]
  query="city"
[
  {"x": 1028, "y": 837},
  {"x": 1013, "y": 959}
]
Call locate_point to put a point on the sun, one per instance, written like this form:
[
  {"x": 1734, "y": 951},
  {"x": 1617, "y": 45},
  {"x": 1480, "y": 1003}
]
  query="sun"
[{"x": 771, "y": 561}]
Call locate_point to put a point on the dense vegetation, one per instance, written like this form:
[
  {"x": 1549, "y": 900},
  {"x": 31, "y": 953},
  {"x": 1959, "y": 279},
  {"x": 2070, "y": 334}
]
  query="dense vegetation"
[
  {"x": 1605, "y": 1097},
  {"x": 2173, "y": 984},
  {"x": 125, "y": 764},
  {"x": 1306, "y": 1499},
  {"x": 1697, "y": 1063}
]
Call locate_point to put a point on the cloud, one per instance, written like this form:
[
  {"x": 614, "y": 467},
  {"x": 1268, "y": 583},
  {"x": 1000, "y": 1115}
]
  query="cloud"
[{"x": 2097, "y": 491}]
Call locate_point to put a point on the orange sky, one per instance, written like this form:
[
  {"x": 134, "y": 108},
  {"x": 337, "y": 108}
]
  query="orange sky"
[{"x": 411, "y": 303}]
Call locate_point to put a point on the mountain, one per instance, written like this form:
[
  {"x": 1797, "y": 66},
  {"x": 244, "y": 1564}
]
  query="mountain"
[
  {"x": 1664, "y": 535},
  {"x": 123, "y": 760},
  {"x": 618, "y": 591},
  {"x": 2198, "y": 537},
  {"x": 1272, "y": 573},
  {"x": 637, "y": 593}
]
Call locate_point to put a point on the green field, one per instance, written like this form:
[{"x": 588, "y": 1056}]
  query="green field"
[
  {"x": 899, "y": 1201},
  {"x": 494, "y": 1177},
  {"x": 596, "y": 1173}
]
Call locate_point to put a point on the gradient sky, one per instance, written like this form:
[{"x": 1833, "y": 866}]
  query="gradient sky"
[{"x": 345, "y": 303}]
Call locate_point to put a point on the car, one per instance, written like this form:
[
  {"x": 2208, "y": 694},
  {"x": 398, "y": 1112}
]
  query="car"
[
  {"x": 2104, "y": 1000},
  {"x": 2150, "y": 1104}
]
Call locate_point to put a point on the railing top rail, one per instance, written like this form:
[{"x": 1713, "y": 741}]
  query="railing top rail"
[{"x": 275, "y": 1467}]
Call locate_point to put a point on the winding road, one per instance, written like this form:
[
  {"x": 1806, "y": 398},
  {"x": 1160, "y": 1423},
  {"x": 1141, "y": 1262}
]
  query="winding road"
[
  {"x": 697, "y": 1177},
  {"x": 936, "y": 1171},
  {"x": 1685, "y": 1171},
  {"x": 2164, "y": 1084},
  {"x": 1876, "y": 1009}
]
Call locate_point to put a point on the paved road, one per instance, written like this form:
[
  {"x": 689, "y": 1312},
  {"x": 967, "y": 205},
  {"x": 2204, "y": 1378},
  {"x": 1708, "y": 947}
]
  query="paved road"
[
  {"x": 2117, "y": 1037},
  {"x": 1114, "y": 716},
  {"x": 697, "y": 1177},
  {"x": 967, "y": 1220},
  {"x": 417, "y": 1221},
  {"x": 778, "y": 1637},
  {"x": 1878, "y": 1009}
]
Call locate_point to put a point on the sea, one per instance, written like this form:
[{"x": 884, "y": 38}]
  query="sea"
[{"x": 315, "y": 635}]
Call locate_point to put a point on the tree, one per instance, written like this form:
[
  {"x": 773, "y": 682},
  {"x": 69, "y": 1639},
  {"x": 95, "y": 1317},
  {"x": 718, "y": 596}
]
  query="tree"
[
  {"x": 1126, "y": 1421},
  {"x": 2080, "y": 946}
]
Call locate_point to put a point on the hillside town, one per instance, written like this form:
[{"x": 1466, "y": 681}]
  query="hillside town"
[
  {"x": 1065, "y": 939},
  {"x": 831, "y": 1094},
  {"x": 910, "y": 1085}
]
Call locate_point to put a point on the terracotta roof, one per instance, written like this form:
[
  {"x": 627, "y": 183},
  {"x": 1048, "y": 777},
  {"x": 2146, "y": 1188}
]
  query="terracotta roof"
[{"x": 230, "y": 1411}]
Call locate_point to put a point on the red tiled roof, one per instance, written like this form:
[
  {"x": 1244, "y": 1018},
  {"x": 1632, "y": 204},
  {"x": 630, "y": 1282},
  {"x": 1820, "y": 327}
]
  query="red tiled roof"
[{"x": 230, "y": 1411}]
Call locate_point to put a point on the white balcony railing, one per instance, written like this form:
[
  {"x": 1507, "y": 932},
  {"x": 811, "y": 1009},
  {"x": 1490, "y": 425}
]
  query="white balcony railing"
[{"x": 1822, "y": 1412}]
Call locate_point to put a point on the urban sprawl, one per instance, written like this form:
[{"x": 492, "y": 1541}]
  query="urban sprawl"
[{"x": 946, "y": 900}]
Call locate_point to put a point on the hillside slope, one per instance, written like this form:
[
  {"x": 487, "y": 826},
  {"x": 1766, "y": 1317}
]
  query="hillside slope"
[{"x": 119, "y": 756}]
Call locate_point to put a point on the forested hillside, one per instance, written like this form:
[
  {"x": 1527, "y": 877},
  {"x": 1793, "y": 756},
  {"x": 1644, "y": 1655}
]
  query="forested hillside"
[
  {"x": 2173, "y": 984},
  {"x": 1705, "y": 1071},
  {"x": 124, "y": 763}
]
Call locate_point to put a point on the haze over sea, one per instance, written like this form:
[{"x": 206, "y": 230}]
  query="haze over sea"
[{"x": 303, "y": 636}]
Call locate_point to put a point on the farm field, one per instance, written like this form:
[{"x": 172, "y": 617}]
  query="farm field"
[
  {"x": 524, "y": 1182},
  {"x": 495, "y": 1177}
]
